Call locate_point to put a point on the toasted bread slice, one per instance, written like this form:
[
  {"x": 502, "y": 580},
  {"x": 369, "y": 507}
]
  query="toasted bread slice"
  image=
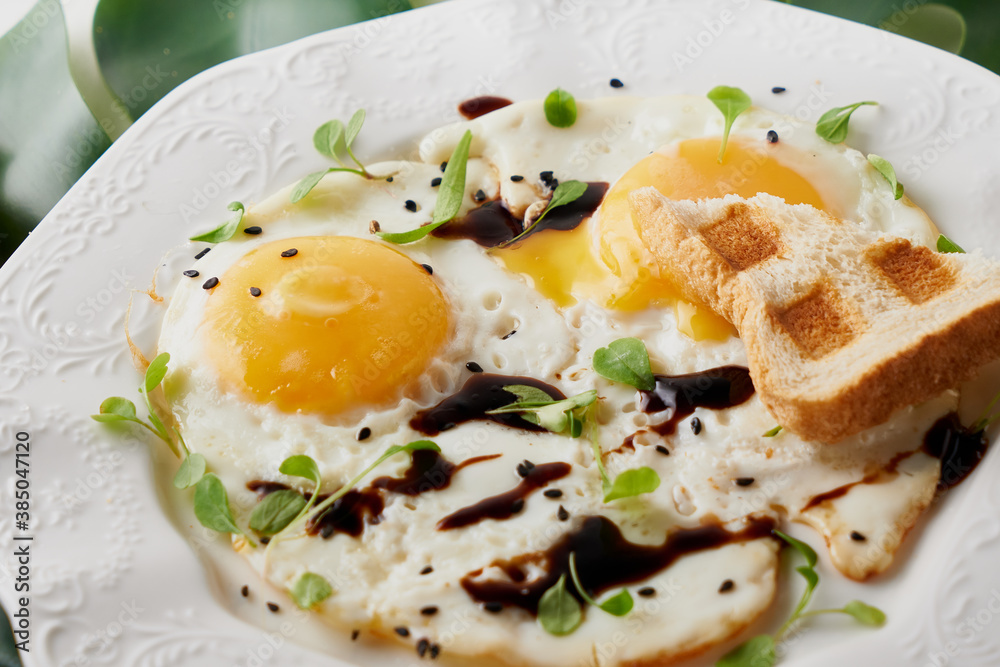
[{"x": 842, "y": 327}]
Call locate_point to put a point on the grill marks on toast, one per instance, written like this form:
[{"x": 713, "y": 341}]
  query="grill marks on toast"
[
  {"x": 821, "y": 322},
  {"x": 744, "y": 237},
  {"x": 916, "y": 272}
]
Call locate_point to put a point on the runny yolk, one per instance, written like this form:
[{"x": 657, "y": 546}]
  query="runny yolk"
[
  {"x": 563, "y": 265},
  {"x": 344, "y": 323}
]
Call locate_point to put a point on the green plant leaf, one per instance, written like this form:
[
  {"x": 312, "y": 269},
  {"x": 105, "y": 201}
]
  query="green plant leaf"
[
  {"x": 832, "y": 125},
  {"x": 634, "y": 482},
  {"x": 565, "y": 193},
  {"x": 931, "y": 23},
  {"x": 945, "y": 244},
  {"x": 619, "y": 604},
  {"x": 309, "y": 590},
  {"x": 627, "y": 361},
  {"x": 865, "y": 614},
  {"x": 551, "y": 414},
  {"x": 305, "y": 186},
  {"x": 328, "y": 138},
  {"x": 301, "y": 465},
  {"x": 731, "y": 102},
  {"x": 774, "y": 431},
  {"x": 451, "y": 193},
  {"x": 277, "y": 510},
  {"x": 800, "y": 546},
  {"x": 354, "y": 127},
  {"x": 560, "y": 108},
  {"x": 191, "y": 471},
  {"x": 812, "y": 580},
  {"x": 884, "y": 167},
  {"x": 756, "y": 652},
  {"x": 155, "y": 372},
  {"x": 115, "y": 409},
  {"x": 558, "y": 612},
  {"x": 211, "y": 506},
  {"x": 225, "y": 231}
]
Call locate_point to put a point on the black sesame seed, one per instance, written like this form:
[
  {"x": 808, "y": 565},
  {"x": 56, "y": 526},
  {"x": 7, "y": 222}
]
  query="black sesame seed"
[
  {"x": 429, "y": 611},
  {"x": 265, "y": 540},
  {"x": 254, "y": 291},
  {"x": 493, "y": 607},
  {"x": 422, "y": 647},
  {"x": 427, "y": 570},
  {"x": 444, "y": 165},
  {"x": 524, "y": 467},
  {"x": 389, "y": 179},
  {"x": 435, "y": 651},
  {"x": 474, "y": 367},
  {"x": 428, "y": 268},
  {"x": 436, "y": 181},
  {"x": 291, "y": 252},
  {"x": 356, "y": 633},
  {"x": 562, "y": 513},
  {"x": 253, "y": 231},
  {"x": 273, "y": 607},
  {"x": 245, "y": 591},
  {"x": 210, "y": 283},
  {"x": 410, "y": 205},
  {"x": 695, "y": 425},
  {"x": 778, "y": 90},
  {"x": 546, "y": 176},
  {"x": 364, "y": 434},
  {"x": 553, "y": 493},
  {"x": 744, "y": 481},
  {"x": 857, "y": 537},
  {"x": 517, "y": 178},
  {"x": 616, "y": 83},
  {"x": 191, "y": 273},
  {"x": 479, "y": 196},
  {"x": 772, "y": 136},
  {"x": 727, "y": 586},
  {"x": 506, "y": 336},
  {"x": 663, "y": 450},
  {"x": 202, "y": 253},
  {"x": 517, "y": 506},
  {"x": 402, "y": 632},
  {"x": 647, "y": 592}
]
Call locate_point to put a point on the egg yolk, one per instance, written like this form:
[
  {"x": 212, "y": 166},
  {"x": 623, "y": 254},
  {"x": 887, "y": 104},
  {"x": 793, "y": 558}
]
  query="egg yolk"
[
  {"x": 340, "y": 324},
  {"x": 563, "y": 266}
]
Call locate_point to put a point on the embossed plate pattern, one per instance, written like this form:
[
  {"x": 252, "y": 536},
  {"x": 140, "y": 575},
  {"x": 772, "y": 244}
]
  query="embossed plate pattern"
[{"x": 117, "y": 580}]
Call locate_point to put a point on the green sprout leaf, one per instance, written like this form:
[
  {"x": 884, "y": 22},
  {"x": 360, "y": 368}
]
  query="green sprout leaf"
[
  {"x": 756, "y": 652},
  {"x": 116, "y": 409},
  {"x": 832, "y": 125},
  {"x": 309, "y": 590},
  {"x": 191, "y": 471},
  {"x": 619, "y": 604},
  {"x": 800, "y": 546},
  {"x": 558, "y": 612},
  {"x": 353, "y": 128},
  {"x": 945, "y": 244},
  {"x": 537, "y": 407},
  {"x": 627, "y": 361},
  {"x": 301, "y": 465},
  {"x": 633, "y": 483},
  {"x": 211, "y": 506},
  {"x": 450, "y": 195},
  {"x": 884, "y": 167},
  {"x": 731, "y": 102},
  {"x": 278, "y": 509},
  {"x": 156, "y": 371},
  {"x": 566, "y": 192},
  {"x": 225, "y": 231},
  {"x": 774, "y": 431},
  {"x": 560, "y": 108},
  {"x": 865, "y": 614},
  {"x": 328, "y": 137}
]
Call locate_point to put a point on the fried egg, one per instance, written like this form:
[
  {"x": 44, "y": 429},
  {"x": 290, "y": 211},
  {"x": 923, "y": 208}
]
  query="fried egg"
[{"x": 316, "y": 337}]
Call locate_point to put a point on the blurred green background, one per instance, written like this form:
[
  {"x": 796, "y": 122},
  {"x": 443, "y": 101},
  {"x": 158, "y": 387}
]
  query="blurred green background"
[{"x": 50, "y": 133}]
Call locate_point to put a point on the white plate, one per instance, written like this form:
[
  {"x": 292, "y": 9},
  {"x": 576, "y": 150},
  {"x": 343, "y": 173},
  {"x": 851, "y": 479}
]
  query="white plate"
[{"x": 115, "y": 582}]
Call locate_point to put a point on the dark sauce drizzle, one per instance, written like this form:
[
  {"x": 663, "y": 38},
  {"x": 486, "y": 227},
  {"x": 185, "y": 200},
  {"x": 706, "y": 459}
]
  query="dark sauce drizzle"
[
  {"x": 493, "y": 224},
  {"x": 604, "y": 560},
  {"x": 507, "y": 504},
  {"x": 959, "y": 448},
  {"x": 715, "y": 388},
  {"x": 482, "y": 105},
  {"x": 480, "y": 393}
]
